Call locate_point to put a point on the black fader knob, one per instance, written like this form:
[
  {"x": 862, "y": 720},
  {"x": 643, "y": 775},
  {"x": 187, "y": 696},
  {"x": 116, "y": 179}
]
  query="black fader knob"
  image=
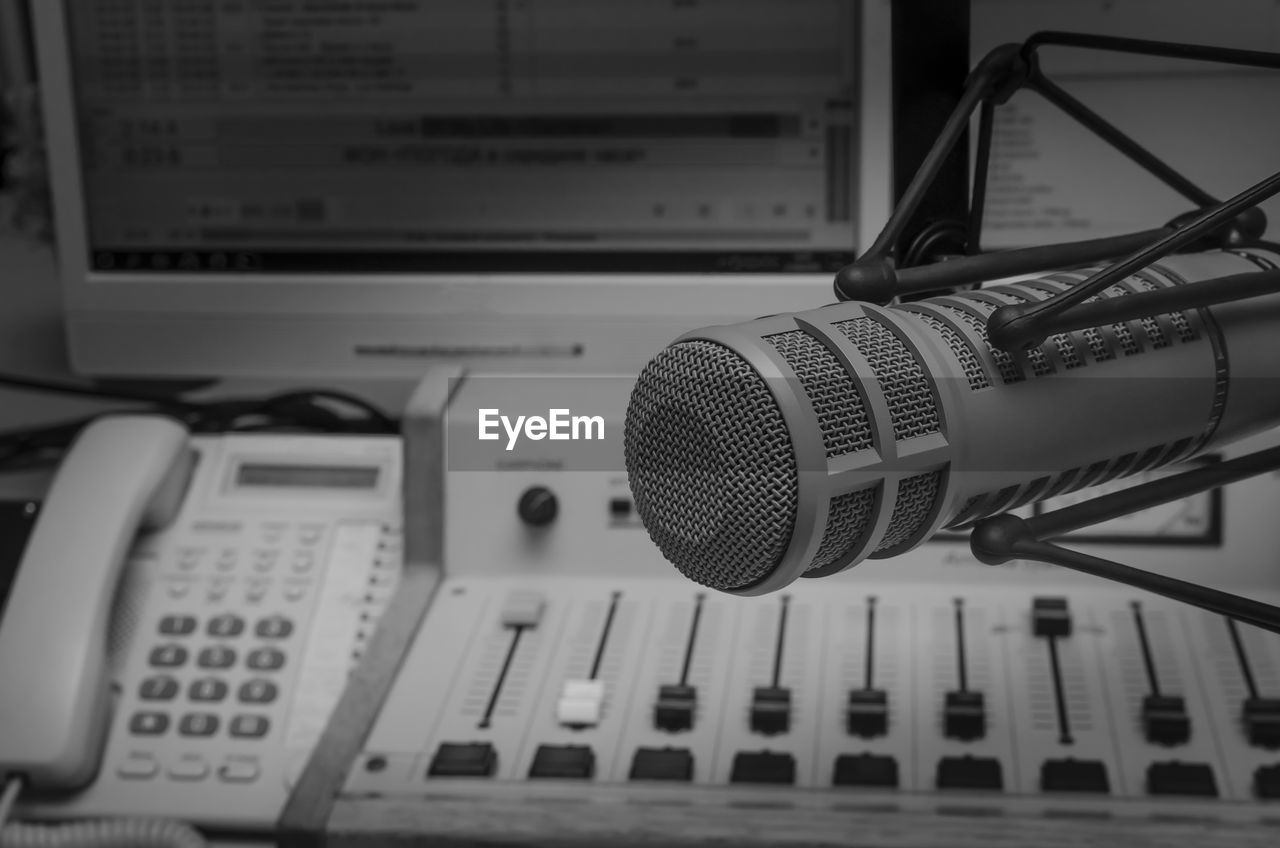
[{"x": 538, "y": 506}]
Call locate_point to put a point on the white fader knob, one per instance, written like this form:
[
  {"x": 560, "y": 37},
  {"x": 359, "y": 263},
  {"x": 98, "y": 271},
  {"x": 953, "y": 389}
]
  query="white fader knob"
[{"x": 580, "y": 704}]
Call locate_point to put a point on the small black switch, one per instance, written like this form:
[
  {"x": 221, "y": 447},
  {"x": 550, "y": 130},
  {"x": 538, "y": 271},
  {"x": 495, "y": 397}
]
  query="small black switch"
[
  {"x": 1175, "y": 778},
  {"x": 964, "y": 716},
  {"x": 970, "y": 773},
  {"x": 1165, "y": 720},
  {"x": 662, "y": 764},
  {"x": 1074, "y": 776},
  {"x": 868, "y": 713},
  {"x": 1266, "y": 781},
  {"x": 1050, "y": 617},
  {"x": 574, "y": 761},
  {"x": 771, "y": 710},
  {"x": 866, "y": 770},
  {"x": 1262, "y": 721},
  {"x": 675, "y": 707},
  {"x": 620, "y": 508},
  {"x": 464, "y": 759},
  {"x": 763, "y": 767}
]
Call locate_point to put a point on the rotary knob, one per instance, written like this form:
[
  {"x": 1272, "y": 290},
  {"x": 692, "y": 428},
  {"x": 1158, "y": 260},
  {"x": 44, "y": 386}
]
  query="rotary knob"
[{"x": 538, "y": 506}]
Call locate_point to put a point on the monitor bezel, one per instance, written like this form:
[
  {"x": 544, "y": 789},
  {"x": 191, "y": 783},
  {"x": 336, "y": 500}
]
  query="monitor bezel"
[{"x": 122, "y": 324}]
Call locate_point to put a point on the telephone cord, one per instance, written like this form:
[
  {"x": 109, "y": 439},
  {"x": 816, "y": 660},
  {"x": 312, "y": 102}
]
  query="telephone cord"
[{"x": 108, "y": 833}]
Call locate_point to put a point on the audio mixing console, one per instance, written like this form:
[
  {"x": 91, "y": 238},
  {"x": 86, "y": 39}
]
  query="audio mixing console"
[
  {"x": 1080, "y": 695},
  {"x": 561, "y": 658}
]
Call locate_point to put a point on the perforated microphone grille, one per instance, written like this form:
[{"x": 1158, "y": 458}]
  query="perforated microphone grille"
[{"x": 711, "y": 465}]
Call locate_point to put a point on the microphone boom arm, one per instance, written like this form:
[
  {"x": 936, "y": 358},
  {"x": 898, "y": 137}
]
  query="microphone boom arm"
[
  {"x": 876, "y": 277},
  {"x": 998, "y": 539}
]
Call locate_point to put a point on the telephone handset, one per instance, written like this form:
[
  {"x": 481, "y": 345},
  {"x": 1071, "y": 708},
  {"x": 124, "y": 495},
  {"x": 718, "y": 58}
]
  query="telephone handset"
[{"x": 124, "y": 474}]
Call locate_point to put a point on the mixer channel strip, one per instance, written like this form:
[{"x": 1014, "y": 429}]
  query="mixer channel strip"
[
  {"x": 771, "y": 705},
  {"x": 867, "y": 714},
  {"x": 1165, "y": 720},
  {"x": 965, "y": 712},
  {"x": 677, "y": 703},
  {"x": 1079, "y": 697}
]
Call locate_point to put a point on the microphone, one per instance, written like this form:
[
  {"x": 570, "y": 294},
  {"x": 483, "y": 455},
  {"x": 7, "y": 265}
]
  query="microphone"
[{"x": 798, "y": 445}]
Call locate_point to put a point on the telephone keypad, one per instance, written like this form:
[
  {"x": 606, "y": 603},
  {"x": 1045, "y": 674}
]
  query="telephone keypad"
[
  {"x": 207, "y": 689},
  {"x": 239, "y": 770},
  {"x": 249, "y": 726},
  {"x": 158, "y": 689},
  {"x": 168, "y": 656},
  {"x": 198, "y": 724},
  {"x": 274, "y": 627},
  {"x": 177, "y": 625},
  {"x": 148, "y": 723},
  {"x": 216, "y": 656},
  {"x": 265, "y": 659},
  {"x": 138, "y": 766},
  {"x": 257, "y": 691},
  {"x": 190, "y": 767},
  {"x": 226, "y": 625},
  {"x": 227, "y": 631}
]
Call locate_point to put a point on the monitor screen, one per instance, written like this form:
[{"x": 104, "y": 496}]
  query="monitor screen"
[
  {"x": 304, "y": 186},
  {"x": 545, "y": 135}
]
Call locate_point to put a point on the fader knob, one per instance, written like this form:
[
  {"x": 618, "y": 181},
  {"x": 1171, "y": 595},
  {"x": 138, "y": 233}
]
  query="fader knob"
[{"x": 538, "y": 506}]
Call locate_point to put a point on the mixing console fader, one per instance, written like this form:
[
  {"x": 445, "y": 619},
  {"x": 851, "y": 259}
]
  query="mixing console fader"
[{"x": 1084, "y": 698}]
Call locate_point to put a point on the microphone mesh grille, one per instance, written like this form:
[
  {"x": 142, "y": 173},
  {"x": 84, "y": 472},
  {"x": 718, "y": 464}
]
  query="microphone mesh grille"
[
  {"x": 835, "y": 399},
  {"x": 848, "y": 521},
  {"x": 912, "y": 410},
  {"x": 916, "y": 496},
  {"x": 711, "y": 465},
  {"x": 973, "y": 370}
]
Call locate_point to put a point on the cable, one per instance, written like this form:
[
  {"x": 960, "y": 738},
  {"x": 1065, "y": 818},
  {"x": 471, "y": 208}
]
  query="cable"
[
  {"x": 107, "y": 833},
  {"x": 298, "y": 410},
  {"x": 32, "y": 384}
]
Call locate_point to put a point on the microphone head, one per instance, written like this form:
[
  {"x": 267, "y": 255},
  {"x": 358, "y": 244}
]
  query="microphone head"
[
  {"x": 730, "y": 438},
  {"x": 798, "y": 445},
  {"x": 711, "y": 464}
]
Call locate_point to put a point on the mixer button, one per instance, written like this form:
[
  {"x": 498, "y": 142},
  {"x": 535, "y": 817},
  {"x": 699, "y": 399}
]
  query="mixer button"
[
  {"x": 969, "y": 772},
  {"x": 1071, "y": 775},
  {"x": 573, "y": 761},
  {"x": 1165, "y": 720},
  {"x": 771, "y": 710},
  {"x": 965, "y": 715},
  {"x": 1050, "y": 617},
  {"x": 867, "y": 714},
  {"x": 866, "y": 770},
  {"x": 1175, "y": 778},
  {"x": 763, "y": 767},
  {"x": 662, "y": 764},
  {"x": 463, "y": 759},
  {"x": 1262, "y": 721},
  {"x": 1266, "y": 781},
  {"x": 675, "y": 707}
]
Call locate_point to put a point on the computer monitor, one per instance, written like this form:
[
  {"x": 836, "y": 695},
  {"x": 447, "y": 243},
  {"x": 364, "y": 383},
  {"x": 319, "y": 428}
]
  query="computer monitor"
[{"x": 296, "y": 188}]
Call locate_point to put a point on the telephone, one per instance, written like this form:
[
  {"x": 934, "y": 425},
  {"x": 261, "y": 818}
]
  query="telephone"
[{"x": 184, "y": 617}]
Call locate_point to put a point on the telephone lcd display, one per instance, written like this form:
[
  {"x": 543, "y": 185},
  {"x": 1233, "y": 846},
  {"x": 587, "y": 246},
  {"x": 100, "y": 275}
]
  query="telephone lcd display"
[{"x": 278, "y": 475}]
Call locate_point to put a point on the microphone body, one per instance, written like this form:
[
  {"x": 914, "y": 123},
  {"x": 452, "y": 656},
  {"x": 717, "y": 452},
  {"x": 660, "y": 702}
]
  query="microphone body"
[{"x": 800, "y": 444}]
